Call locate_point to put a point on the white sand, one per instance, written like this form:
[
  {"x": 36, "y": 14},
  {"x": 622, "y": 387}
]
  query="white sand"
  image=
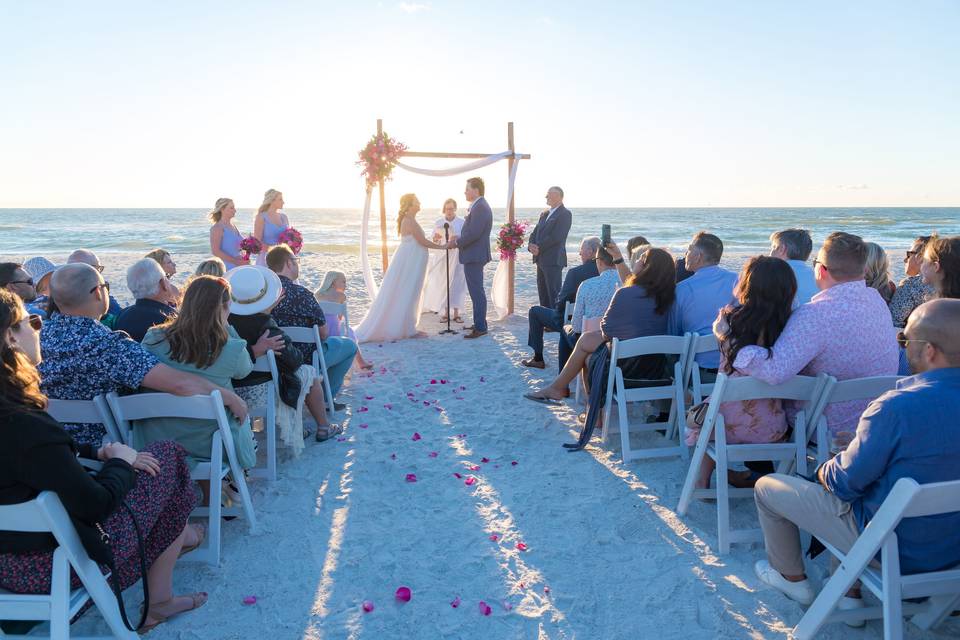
[{"x": 342, "y": 525}]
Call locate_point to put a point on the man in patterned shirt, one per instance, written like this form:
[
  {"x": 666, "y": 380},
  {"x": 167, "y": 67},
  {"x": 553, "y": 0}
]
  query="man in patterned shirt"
[
  {"x": 594, "y": 294},
  {"x": 299, "y": 308},
  {"x": 83, "y": 359}
]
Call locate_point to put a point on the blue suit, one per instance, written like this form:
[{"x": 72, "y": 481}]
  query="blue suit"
[
  {"x": 550, "y": 236},
  {"x": 474, "y": 246}
]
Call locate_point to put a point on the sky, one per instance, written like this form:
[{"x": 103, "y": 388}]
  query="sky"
[{"x": 628, "y": 103}]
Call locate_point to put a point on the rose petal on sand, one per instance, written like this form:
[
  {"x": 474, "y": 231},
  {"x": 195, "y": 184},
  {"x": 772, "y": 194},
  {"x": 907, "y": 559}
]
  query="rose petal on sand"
[
  {"x": 484, "y": 608},
  {"x": 248, "y": 600},
  {"x": 433, "y": 382},
  {"x": 393, "y": 456},
  {"x": 411, "y": 477},
  {"x": 473, "y": 467},
  {"x": 416, "y": 436},
  {"x": 482, "y": 379},
  {"x": 368, "y": 397},
  {"x": 388, "y": 406},
  {"x": 457, "y": 475},
  {"x": 362, "y": 410},
  {"x": 367, "y": 606},
  {"x": 443, "y": 382},
  {"x": 439, "y": 408},
  {"x": 521, "y": 546},
  {"x": 426, "y": 403},
  {"x": 513, "y": 463},
  {"x": 470, "y": 481},
  {"x": 455, "y": 602},
  {"x": 433, "y": 454},
  {"x": 364, "y": 425},
  {"x": 341, "y": 439},
  {"x": 494, "y": 537},
  {"x": 461, "y": 435},
  {"x": 546, "y": 589},
  {"x": 506, "y": 605},
  {"x": 484, "y": 460},
  {"x": 403, "y": 594}
]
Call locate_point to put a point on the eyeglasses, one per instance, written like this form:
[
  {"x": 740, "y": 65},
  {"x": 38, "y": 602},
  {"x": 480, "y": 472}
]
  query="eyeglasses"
[
  {"x": 99, "y": 268},
  {"x": 817, "y": 262},
  {"x": 28, "y": 281},
  {"x": 102, "y": 285},
  {"x": 902, "y": 339}
]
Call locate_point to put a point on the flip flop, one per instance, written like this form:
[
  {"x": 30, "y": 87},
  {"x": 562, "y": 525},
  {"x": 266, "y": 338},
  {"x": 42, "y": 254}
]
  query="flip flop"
[
  {"x": 541, "y": 399},
  {"x": 197, "y": 600}
]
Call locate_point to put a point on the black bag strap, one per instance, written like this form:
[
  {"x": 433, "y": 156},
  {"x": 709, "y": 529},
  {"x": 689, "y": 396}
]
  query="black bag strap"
[{"x": 115, "y": 578}]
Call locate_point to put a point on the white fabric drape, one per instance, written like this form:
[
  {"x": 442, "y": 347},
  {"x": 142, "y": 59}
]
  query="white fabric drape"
[
  {"x": 368, "y": 280},
  {"x": 500, "y": 290},
  {"x": 453, "y": 171}
]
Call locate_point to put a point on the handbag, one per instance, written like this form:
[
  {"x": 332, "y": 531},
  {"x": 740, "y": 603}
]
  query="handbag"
[{"x": 697, "y": 414}]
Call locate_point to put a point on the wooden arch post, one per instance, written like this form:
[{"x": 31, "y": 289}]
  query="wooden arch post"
[{"x": 511, "y": 212}]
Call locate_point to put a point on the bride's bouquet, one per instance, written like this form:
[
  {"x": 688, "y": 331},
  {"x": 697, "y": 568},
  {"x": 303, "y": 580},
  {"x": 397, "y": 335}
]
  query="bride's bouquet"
[
  {"x": 510, "y": 239},
  {"x": 292, "y": 238},
  {"x": 250, "y": 246}
]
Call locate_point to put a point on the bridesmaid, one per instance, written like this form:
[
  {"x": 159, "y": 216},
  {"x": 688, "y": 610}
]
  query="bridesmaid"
[
  {"x": 270, "y": 223},
  {"x": 224, "y": 235},
  {"x": 333, "y": 289}
]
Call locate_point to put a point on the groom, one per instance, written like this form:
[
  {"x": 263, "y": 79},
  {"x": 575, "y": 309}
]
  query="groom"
[{"x": 474, "y": 245}]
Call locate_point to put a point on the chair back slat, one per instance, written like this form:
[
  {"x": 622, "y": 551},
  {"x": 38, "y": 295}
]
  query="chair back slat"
[
  {"x": 650, "y": 345},
  {"x": 152, "y": 405},
  {"x": 26, "y": 516},
  {"x": 934, "y": 498},
  {"x": 747, "y": 388},
  {"x": 862, "y": 388},
  {"x": 304, "y": 335},
  {"x": 74, "y": 411}
]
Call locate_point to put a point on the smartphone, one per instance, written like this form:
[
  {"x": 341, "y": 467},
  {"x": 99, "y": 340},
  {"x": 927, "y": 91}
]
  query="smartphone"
[{"x": 605, "y": 235}]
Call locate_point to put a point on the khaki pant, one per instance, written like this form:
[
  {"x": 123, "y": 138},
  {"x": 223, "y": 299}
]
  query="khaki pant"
[{"x": 786, "y": 504}]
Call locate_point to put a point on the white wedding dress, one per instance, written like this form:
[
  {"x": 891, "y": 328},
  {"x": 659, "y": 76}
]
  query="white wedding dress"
[
  {"x": 396, "y": 310},
  {"x": 435, "y": 289}
]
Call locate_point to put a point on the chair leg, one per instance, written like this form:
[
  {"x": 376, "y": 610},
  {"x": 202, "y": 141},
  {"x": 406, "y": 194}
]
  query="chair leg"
[
  {"x": 60, "y": 597},
  {"x": 623, "y": 422},
  {"x": 938, "y": 608},
  {"x": 271, "y": 418},
  {"x": 723, "y": 503},
  {"x": 892, "y": 600}
]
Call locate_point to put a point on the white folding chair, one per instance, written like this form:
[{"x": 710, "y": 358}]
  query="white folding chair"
[
  {"x": 164, "y": 405},
  {"x": 567, "y": 319},
  {"x": 622, "y": 391},
  {"x": 267, "y": 363},
  {"x": 907, "y": 499},
  {"x": 93, "y": 411},
  {"x": 45, "y": 513},
  {"x": 691, "y": 372},
  {"x": 713, "y": 442},
  {"x": 311, "y": 335}
]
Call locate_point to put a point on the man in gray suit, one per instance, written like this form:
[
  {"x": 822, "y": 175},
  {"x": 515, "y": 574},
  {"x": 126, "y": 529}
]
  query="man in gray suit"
[
  {"x": 548, "y": 244},
  {"x": 474, "y": 245}
]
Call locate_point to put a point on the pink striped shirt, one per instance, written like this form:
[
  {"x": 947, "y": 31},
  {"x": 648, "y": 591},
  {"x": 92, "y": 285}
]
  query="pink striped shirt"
[{"x": 845, "y": 332}]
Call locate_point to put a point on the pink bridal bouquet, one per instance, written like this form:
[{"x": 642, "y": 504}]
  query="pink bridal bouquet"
[
  {"x": 510, "y": 239},
  {"x": 292, "y": 238},
  {"x": 250, "y": 246},
  {"x": 379, "y": 158}
]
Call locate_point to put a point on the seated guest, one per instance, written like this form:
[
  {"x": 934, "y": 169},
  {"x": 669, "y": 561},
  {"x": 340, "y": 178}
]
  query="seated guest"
[
  {"x": 15, "y": 279},
  {"x": 255, "y": 291},
  {"x": 765, "y": 292},
  {"x": 165, "y": 260},
  {"x": 211, "y": 267},
  {"x": 912, "y": 291},
  {"x": 795, "y": 246},
  {"x": 682, "y": 272},
  {"x": 594, "y": 294},
  {"x": 83, "y": 359},
  {"x": 844, "y": 331},
  {"x": 911, "y": 432},
  {"x": 333, "y": 289},
  {"x": 155, "y": 299},
  {"x": 877, "y": 272},
  {"x": 199, "y": 341},
  {"x": 40, "y": 270},
  {"x": 541, "y": 318},
  {"x": 298, "y": 308},
  {"x": 941, "y": 266},
  {"x": 635, "y": 246},
  {"x": 701, "y": 296},
  {"x": 36, "y": 455},
  {"x": 85, "y": 256}
]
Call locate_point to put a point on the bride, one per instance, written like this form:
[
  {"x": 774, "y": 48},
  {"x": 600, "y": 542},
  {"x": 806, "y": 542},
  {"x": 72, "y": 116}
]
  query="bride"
[{"x": 394, "y": 313}]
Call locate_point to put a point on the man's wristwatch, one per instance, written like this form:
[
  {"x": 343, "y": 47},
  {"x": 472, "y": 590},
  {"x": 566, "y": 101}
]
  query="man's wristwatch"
[{"x": 618, "y": 261}]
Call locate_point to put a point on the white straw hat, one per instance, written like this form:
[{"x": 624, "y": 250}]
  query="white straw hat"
[
  {"x": 252, "y": 289},
  {"x": 39, "y": 267}
]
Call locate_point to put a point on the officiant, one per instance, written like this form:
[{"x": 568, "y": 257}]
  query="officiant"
[
  {"x": 548, "y": 244},
  {"x": 435, "y": 285}
]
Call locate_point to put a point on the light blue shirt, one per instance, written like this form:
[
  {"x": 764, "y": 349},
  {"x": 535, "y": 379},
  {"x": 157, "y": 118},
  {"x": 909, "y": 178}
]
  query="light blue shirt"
[
  {"x": 806, "y": 284},
  {"x": 699, "y": 298}
]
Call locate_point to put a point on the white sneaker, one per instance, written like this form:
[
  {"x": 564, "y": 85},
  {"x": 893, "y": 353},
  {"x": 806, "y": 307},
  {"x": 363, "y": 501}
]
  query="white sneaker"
[
  {"x": 801, "y": 592},
  {"x": 847, "y": 603}
]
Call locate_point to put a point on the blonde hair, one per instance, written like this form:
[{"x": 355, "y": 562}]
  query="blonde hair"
[
  {"x": 268, "y": 197},
  {"x": 877, "y": 270},
  {"x": 328, "y": 279},
  {"x": 158, "y": 255},
  {"x": 406, "y": 201},
  {"x": 211, "y": 267},
  {"x": 446, "y": 202},
  {"x": 218, "y": 208}
]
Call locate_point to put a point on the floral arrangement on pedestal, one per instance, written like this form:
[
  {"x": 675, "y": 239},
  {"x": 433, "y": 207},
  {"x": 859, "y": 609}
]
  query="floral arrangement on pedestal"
[
  {"x": 292, "y": 238},
  {"x": 250, "y": 246},
  {"x": 379, "y": 157},
  {"x": 510, "y": 238}
]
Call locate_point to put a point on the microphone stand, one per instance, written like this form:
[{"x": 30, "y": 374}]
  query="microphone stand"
[{"x": 446, "y": 235}]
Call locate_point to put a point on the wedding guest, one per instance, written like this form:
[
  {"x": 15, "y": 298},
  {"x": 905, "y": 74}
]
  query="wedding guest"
[
  {"x": 594, "y": 295},
  {"x": 155, "y": 299},
  {"x": 436, "y": 283},
  {"x": 941, "y": 266},
  {"x": 198, "y": 340},
  {"x": 701, "y": 296},
  {"x": 912, "y": 291},
  {"x": 765, "y": 293},
  {"x": 635, "y": 246},
  {"x": 548, "y": 244},
  {"x": 211, "y": 267},
  {"x": 36, "y": 455},
  {"x": 845, "y": 331},
  {"x": 299, "y": 308},
  {"x": 333, "y": 289},
  {"x": 165, "y": 260},
  {"x": 15, "y": 279},
  {"x": 83, "y": 359},
  {"x": 255, "y": 292},
  {"x": 541, "y": 318},
  {"x": 682, "y": 272},
  {"x": 795, "y": 246},
  {"x": 911, "y": 432},
  {"x": 40, "y": 269},
  {"x": 85, "y": 256},
  {"x": 877, "y": 272},
  {"x": 474, "y": 246},
  {"x": 269, "y": 223},
  {"x": 224, "y": 236}
]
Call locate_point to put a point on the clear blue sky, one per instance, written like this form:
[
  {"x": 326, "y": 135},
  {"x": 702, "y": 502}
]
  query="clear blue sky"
[{"x": 622, "y": 103}]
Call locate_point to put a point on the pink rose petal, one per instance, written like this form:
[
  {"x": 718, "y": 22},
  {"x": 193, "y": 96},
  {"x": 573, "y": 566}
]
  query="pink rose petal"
[
  {"x": 433, "y": 382},
  {"x": 362, "y": 410},
  {"x": 426, "y": 403},
  {"x": 416, "y": 436},
  {"x": 388, "y": 406},
  {"x": 461, "y": 435},
  {"x": 411, "y": 477},
  {"x": 513, "y": 463},
  {"x": 457, "y": 475},
  {"x": 484, "y": 608},
  {"x": 439, "y": 409},
  {"x": 393, "y": 456},
  {"x": 482, "y": 379},
  {"x": 367, "y": 606},
  {"x": 494, "y": 537},
  {"x": 364, "y": 425},
  {"x": 474, "y": 467},
  {"x": 443, "y": 382},
  {"x": 455, "y": 602},
  {"x": 433, "y": 454},
  {"x": 470, "y": 481},
  {"x": 248, "y": 600},
  {"x": 484, "y": 460},
  {"x": 546, "y": 589},
  {"x": 506, "y": 605},
  {"x": 368, "y": 397},
  {"x": 521, "y": 546},
  {"x": 403, "y": 594},
  {"x": 341, "y": 439}
]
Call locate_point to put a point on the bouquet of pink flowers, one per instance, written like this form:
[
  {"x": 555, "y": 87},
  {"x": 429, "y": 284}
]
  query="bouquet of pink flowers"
[
  {"x": 510, "y": 239},
  {"x": 250, "y": 246},
  {"x": 292, "y": 238},
  {"x": 379, "y": 157}
]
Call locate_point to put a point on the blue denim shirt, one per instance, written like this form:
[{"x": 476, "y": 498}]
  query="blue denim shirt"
[
  {"x": 699, "y": 299},
  {"x": 910, "y": 432}
]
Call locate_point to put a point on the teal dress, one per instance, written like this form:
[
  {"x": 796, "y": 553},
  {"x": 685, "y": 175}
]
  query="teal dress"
[{"x": 196, "y": 435}]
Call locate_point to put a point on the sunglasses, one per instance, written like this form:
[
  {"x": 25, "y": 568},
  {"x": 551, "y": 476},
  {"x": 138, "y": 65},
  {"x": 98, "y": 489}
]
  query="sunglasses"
[
  {"x": 817, "y": 262},
  {"x": 902, "y": 340},
  {"x": 102, "y": 285},
  {"x": 34, "y": 320},
  {"x": 28, "y": 281}
]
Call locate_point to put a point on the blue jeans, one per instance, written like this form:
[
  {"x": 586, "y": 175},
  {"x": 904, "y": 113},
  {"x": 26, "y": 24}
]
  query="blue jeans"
[
  {"x": 540, "y": 318},
  {"x": 338, "y": 353}
]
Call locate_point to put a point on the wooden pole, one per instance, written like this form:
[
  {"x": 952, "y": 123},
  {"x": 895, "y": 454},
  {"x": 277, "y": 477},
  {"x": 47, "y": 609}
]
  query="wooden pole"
[
  {"x": 383, "y": 211},
  {"x": 510, "y": 215}
]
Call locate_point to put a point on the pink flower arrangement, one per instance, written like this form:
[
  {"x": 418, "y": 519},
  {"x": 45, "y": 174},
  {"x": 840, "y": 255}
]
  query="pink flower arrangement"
[
  {"x": 250, "y": 246},
  {"x": 379, "y": 157},
  {"x": 292, "y": 238},
  {"x": 510, "y": 239}
]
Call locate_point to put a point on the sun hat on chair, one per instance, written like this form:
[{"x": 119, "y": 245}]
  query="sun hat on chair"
[{"x": 252, "y": 289}]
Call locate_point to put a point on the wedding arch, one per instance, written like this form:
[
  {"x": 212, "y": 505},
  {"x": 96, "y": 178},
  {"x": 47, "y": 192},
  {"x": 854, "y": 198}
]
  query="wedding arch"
[{"x": 503, "y": 289}]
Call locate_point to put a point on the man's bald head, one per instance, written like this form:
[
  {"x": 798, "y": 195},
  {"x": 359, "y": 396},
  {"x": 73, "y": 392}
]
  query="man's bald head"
[
  {"x": 70, "y": 285},
  {"x": 85, "y": 256},
  {"x": 937, "y": 324}
]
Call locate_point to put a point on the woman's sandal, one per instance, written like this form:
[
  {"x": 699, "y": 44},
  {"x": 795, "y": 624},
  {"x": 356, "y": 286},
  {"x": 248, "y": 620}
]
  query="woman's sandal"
[
  {"x": 201, "y": 535},
  {"x": 542, "y": 399},
  {"x": 458, "y": 319},
  {"x": 198, "y": 599},
  {"x": 327, "y": 431}
]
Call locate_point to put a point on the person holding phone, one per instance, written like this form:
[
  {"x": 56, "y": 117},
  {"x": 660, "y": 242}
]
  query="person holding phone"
[{"x": 548, "y": 244}]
